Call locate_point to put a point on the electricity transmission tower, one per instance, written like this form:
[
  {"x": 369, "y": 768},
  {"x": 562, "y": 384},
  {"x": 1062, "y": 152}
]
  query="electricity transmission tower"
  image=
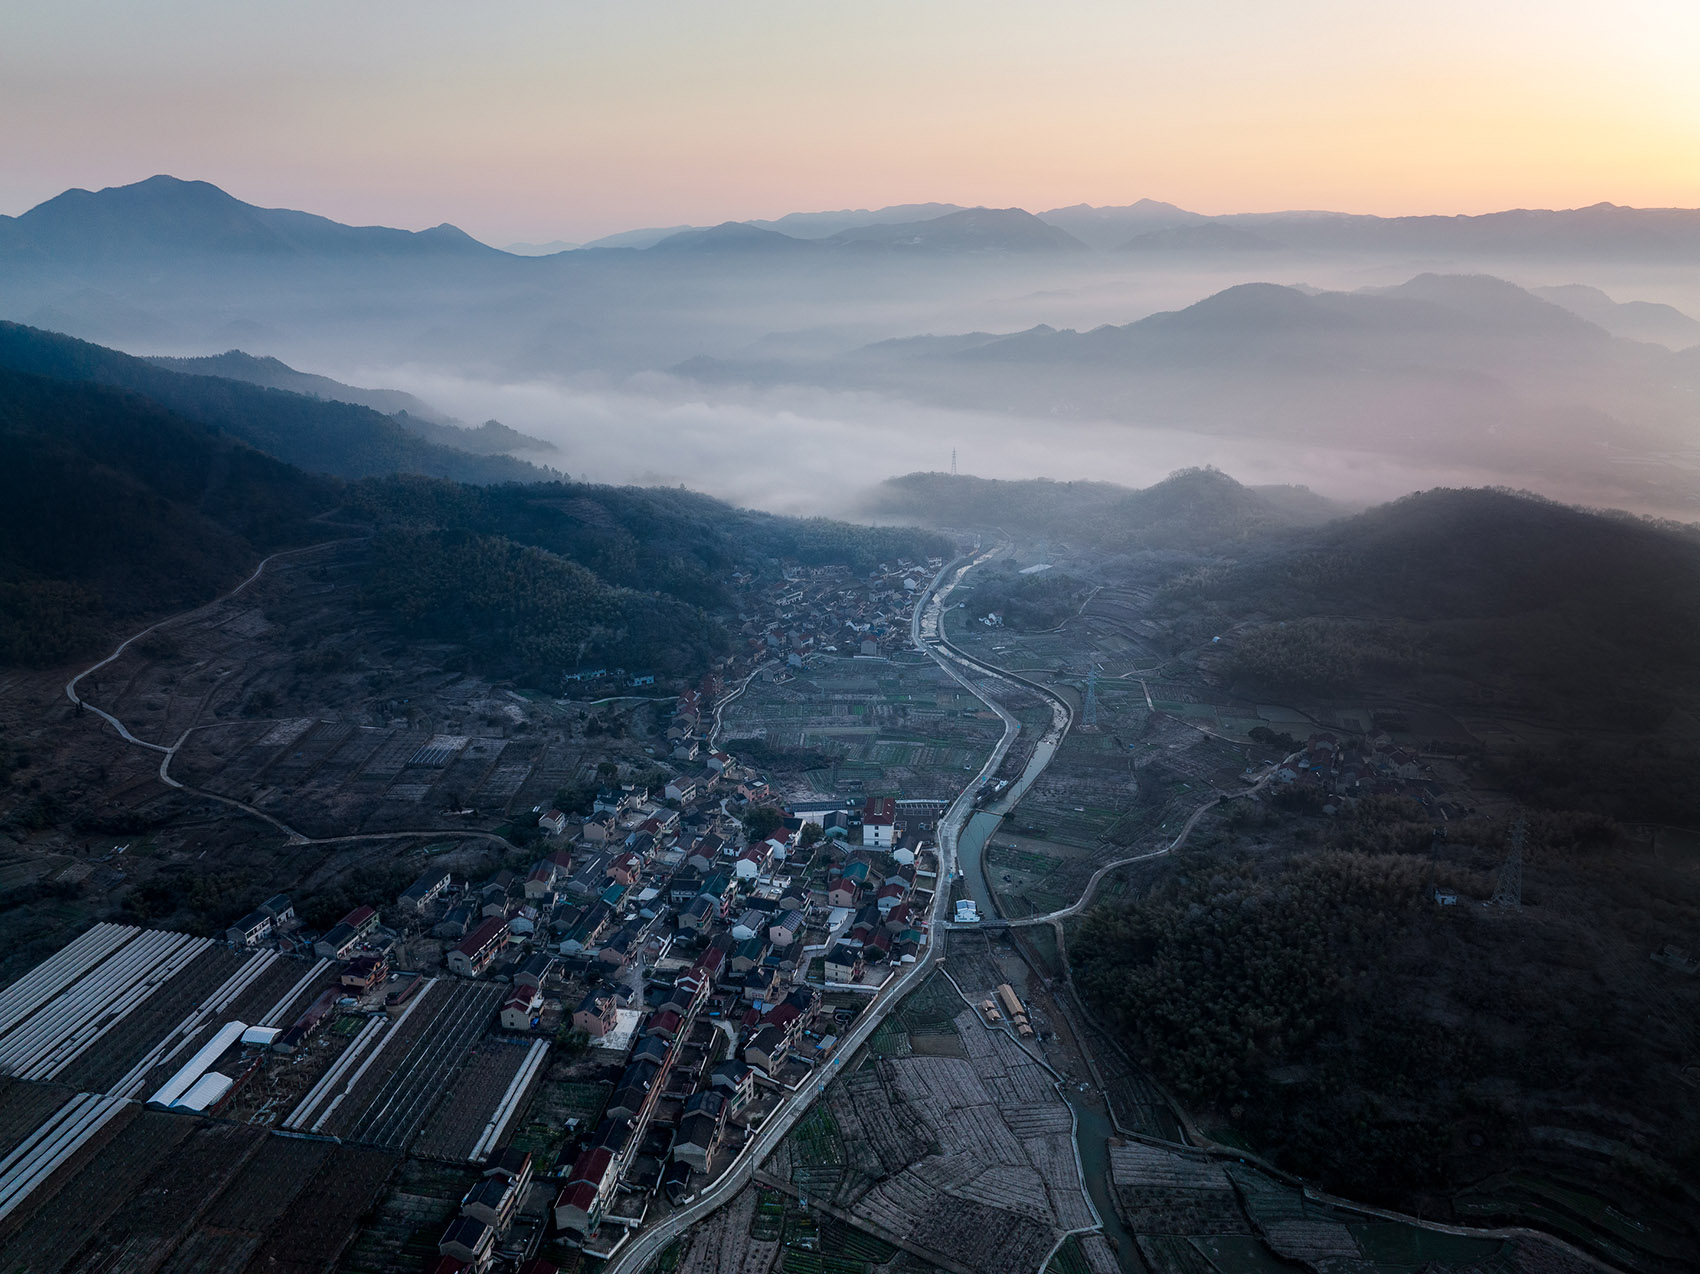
[
  {"x": 1089, "y": 714},
  {"x": 1510, "y": 891},
  {"x": 953, "y": 462}
]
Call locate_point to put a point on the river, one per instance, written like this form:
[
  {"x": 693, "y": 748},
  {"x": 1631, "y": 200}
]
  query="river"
[{"x": 1092, "y": 1132}]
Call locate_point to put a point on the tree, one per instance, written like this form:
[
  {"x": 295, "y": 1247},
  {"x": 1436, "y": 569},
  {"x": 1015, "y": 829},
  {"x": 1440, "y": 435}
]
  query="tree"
[
  {"x": 572, "y": 1041},
  {"x": 762, "y": 822}
]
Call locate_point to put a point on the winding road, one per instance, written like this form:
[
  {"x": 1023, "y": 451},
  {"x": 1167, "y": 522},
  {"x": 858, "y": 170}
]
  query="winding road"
[
  {"x": 168, "y": 752},
  {"x": 652, "y": 1242}
]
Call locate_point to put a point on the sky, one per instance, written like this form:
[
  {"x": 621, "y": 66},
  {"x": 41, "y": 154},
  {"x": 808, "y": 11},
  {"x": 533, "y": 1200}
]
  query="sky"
[{"x": 572, "y": 119}]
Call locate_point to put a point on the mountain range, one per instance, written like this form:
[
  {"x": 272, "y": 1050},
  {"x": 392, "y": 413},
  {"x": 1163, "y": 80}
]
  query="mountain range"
[
  {"x": 417, "y": 417},
  {"x": 163, "y": 217},
  {"x": 1457, "y": 369},
  {"x": 341, "y": 439}
]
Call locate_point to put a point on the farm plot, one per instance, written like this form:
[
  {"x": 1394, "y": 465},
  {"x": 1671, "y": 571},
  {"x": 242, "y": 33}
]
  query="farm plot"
[
  {"x": 908, "y": 728},
  {"x": 724, "y": 1242},
  {"x": 558, "y": 1108},
  {"x": 156, "y": 1219},
  {"x": 24, "y": 1108},
  {"x": 1167, "y": 1194},
  {"x": 401, "y": 1237},
  {"x": 970, "y": 1159},
  {"x": 251, "y": 1204},
  {"x": 263, "y": 970},
  {"x": 82, "y": 1194},
  {"x": 389, "y": 1105},
  {"x": 473, "y": 1095},
  {"x": 322, "y": 1218}
]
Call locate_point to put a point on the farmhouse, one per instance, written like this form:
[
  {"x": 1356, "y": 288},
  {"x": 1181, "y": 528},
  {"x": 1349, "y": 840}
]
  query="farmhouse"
[
  {"x": 422, "y": 892},
  {"x": 519, "y": 1010},
  {"x": 280, "y": 909},
  {"x": 844, "y": 964},
  {"x": 494, "y": 1201},
  {"x": 469, "y": 1239},
  {"x": 475, "y": 952},
  {"x": 251, "y": 929},
  {"x": 767, "y": 1050},
  {"x": 879, "y": 821},
  {"x": 338, "y": 943},
  {"x": 597, "y": 1014}
]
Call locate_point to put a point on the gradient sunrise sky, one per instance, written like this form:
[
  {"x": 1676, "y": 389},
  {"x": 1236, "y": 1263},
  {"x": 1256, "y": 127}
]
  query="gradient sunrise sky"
[{"x": 570, "y": 120}]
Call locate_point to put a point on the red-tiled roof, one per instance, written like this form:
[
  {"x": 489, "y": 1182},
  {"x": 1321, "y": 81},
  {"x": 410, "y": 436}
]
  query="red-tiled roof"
[
  {"x": 482, "y": 936},
  {"x": 591, "y": 1167}
]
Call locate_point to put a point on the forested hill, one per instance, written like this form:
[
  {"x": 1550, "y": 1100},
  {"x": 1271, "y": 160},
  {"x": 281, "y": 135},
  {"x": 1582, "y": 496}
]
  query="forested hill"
[
  {"x": 536, "y": 580},
  {"x": 112, "y": 507},
  {"x": 342, "y": 439},
  {"x": 1492, "y": 605},
  {"x": 669, "y": 539},
  {"x": 1191, "y": 509},
  {"x": 418, "y": 418}
]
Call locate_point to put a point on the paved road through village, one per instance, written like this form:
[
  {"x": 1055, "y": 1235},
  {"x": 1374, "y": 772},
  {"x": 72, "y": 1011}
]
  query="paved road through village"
[{"x": 649, "y": 1244}]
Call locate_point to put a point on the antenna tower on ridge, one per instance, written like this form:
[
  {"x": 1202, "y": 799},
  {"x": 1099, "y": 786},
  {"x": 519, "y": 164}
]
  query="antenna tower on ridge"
[
  {"x": 953, "y": 462},
  {"x": 1510, "y": 891}
]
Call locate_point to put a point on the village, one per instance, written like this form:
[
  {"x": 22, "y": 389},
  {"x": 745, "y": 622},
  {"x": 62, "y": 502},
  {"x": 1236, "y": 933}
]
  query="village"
[{"x": 680, "y": 956}]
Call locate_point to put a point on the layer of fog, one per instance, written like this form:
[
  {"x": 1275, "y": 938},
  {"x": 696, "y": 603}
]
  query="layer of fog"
[
  {"x": 798, "y": 450},
  {"x": 577, "y": 357}
]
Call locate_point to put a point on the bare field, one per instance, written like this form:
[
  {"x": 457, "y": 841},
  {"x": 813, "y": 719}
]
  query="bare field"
[{"x": 886, "y": 726}]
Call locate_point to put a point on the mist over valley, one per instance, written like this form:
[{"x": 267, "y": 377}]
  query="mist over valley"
[{"x": 712, "y": 676}]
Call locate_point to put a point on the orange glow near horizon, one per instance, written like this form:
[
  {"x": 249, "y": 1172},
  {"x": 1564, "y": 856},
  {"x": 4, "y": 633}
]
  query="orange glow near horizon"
[{"x": 569, "y": 121}]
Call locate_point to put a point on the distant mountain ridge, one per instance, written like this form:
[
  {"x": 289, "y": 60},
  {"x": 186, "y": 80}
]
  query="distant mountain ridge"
[
  {"x": 1635, "y": 320},
  {"x": 970, "y": 230},
  {"x": 341, "y": 439},
  {"x": 1456, "y": 370},
  {"x": 1191, "y": 509},
  {"x": 417, "y": 417},
  {"x": 167, "y": 215},
  {"x": 274, "y": 373}
]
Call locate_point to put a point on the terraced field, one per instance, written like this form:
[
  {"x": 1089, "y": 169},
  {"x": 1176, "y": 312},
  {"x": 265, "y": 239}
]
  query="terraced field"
[{"x": 967, "y": 1157}]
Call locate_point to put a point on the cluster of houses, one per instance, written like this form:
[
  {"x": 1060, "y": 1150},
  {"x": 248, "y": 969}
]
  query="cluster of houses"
[
  {"x": 490, "y": 1224},
  {"x": 693, "y": 958},
  {"x": 357, "y": 940},
  {"x": 832, "y": 610},
  {"x": 727, "y": 927},
  {"x": 1342, "y": 771}
]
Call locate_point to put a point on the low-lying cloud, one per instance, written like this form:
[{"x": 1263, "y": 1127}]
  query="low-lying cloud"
[{"x": 798, "y": 450}]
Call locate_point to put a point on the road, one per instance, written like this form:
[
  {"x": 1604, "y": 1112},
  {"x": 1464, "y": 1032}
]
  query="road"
[
  {"x": 167, "y": 753},
  {"x": 650, "y": 1244},
  {"x": 926, "y": 631}
]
